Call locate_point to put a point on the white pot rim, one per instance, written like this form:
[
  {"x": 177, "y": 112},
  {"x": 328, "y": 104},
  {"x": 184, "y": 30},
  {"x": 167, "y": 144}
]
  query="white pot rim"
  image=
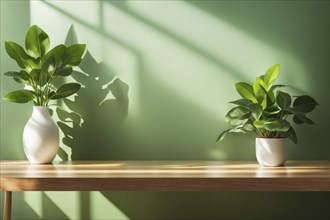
[
  {"x": 279, "y": 138},
  {"x": 40, "y": 106}
]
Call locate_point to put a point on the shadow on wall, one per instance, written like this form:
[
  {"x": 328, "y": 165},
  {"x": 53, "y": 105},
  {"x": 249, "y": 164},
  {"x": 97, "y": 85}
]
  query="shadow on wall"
[
  {"x": 96, "y": 113},
  {"x": 220, "y": 205},
  {"x": 170, "y": 125}
]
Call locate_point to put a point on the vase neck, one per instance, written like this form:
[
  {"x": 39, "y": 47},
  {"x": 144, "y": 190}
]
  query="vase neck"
[{"x": 40, "y": 112}]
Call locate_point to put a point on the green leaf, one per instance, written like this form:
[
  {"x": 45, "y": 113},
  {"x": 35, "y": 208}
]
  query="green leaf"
[
  {"x": 248, "y": 127},
  {"x": 39, "y": 77},
  {"x": 256, "y": 110},
  {"x": 51, "y": 94},
  {"x": 297, "y": 120},
  {"x": 273, "y": 125},
  {"x": 17, "y": 53},
  {"x": 32, "y": 64},
  {"x": 292, "y": 111},
  {"x": 72, "y": 55},
  {"x": 222, "y": 135},
  {"x": 237, "y": 129},
  {"x": 56, "y": 53},
  {"x": 246, "y": 91},
  {"x": 19, "y": 96},
  {"x": 259, "y": 92},
  {"x": 277, "y": 125},
  {"x": 43, "y": 78},
  {"x": 239, "y": 112},
  {"x": 238, "y": 115},
  {"x": 283, "y": 100},
  {"x": 291, "y": 134},
  {"x": 304, "y": 104},
  {"x": 242, "y": 102},
  {"x": 20, "y": 77},
  {"x": 270, "y": 97},
  {"x": 66, "y": 90},
  {"x": 36, "y": 42},
  {"x": 277, "y": 86},
  {"x": 63, "y": 71},
  {"x": 35, "y": 75},
  {"x": 49, "y": 66},
  {"x": 273, "y": 110},
  {"x": 271, "y": 74},
  {"x": 262, "y": 83},
  {"x": 259, "y": 123}
]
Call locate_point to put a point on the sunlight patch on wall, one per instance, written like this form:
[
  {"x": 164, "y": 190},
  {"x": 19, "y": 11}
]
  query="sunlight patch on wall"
[
  {"x": 233, "y": 47},
  {"x": 57, "y": 23},
  {"x": 86, "y": 11},
  {"x": 102, "y": 208},
  {"x": 191, "y": 52},
  {"x": 217, "y": 154},
  {"x": 69, "y": 206},
  {"x": 171, "y": 63},
  {"x": 50, "y": 20},
  {"x": 34, "y": 200},
  {"x": 224, "y": 41}
]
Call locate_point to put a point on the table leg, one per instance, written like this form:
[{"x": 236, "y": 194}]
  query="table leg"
[{"x": 7, "y": 208}]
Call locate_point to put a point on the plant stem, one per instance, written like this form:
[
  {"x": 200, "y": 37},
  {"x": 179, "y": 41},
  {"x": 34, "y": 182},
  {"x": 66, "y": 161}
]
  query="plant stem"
[
  {"x": 35, "y": 88},
  {"x": 47, "y": 89}
]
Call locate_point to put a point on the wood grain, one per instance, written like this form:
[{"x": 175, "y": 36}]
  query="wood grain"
[{"x": 164, "y": 176}]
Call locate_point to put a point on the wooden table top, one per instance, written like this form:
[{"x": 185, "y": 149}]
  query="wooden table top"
[{"x": 164, "y": 176}]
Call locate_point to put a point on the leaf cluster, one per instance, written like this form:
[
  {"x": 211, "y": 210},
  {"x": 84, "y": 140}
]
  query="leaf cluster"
[
  {"x": 264, "y": 109},
  {"x": 40, "y": 67}
]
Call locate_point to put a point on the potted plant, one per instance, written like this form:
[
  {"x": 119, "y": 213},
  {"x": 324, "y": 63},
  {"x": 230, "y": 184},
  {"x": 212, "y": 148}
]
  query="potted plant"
[
  {"x": 265, "y": 110},
  {"x": 40, "y": 68}
]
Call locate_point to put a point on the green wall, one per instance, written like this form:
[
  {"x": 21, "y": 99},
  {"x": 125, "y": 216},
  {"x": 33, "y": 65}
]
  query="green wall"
[{"x": 175, "y": 63}]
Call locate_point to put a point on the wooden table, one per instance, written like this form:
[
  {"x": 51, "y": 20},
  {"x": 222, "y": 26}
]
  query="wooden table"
[{"x": 161, "y": 176}]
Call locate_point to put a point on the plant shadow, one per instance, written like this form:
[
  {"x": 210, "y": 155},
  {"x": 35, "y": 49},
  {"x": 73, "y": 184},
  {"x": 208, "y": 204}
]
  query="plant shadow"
[{"x": 91, "y": 120}]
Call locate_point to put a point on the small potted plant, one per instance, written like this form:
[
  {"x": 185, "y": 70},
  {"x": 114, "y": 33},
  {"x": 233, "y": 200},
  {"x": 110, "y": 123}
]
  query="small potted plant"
[
  {"x": 265, "y": 110},
  {"x": 40, "y": 68}
]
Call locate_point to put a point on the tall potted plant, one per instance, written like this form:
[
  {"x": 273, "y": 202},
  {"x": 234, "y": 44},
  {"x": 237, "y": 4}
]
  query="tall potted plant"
[
  {"x": 40, "y": 68},
  {"x": 265, "y": 110}
]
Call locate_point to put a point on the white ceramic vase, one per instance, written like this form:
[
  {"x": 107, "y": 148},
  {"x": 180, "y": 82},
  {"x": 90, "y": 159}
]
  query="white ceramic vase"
[
  {"x": 271, "y": 152},
  {"x": 40, "y": 136}
]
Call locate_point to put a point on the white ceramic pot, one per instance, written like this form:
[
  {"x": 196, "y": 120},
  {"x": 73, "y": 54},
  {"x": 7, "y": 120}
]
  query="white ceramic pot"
[
  {"x": 40, "y": 136},
  {"x": 271, "y": 152}
]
